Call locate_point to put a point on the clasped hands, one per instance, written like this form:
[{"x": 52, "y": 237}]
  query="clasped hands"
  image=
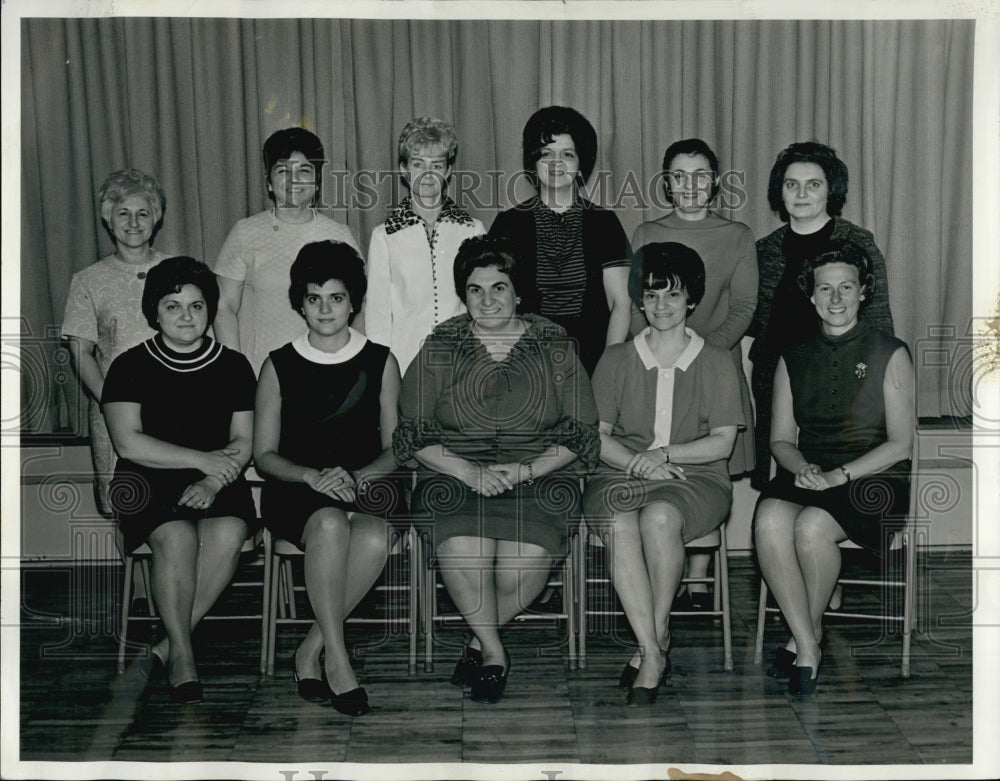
[
  {"x": 653, "y": 465},
  {"x": 333, "y": 481},
  {"x": 220, "y": 469},
  {"x": 813, "y": 478},
  {"x": 493, "y": 479}
]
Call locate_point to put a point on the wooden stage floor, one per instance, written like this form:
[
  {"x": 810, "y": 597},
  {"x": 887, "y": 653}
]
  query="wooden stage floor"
[{"x": 73, "y": 706}]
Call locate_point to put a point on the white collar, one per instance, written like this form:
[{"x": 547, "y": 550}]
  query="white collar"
[
  {"x": 354, "y": 345},
  {"x": 683, "y": 360}
]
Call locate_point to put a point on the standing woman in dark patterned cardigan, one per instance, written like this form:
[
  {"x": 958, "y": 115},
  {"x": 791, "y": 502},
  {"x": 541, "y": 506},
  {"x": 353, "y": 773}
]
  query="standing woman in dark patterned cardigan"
[
  {"x": 574, "y": 256},
  {"x": 807, "y": 188}
]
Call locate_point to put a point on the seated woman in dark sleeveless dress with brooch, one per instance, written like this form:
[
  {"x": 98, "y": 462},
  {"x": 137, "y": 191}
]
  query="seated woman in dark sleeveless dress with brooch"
[{"x": 842, "y": 434}]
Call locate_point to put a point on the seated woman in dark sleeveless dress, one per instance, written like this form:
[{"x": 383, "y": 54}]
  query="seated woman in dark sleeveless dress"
[
  {"x": 326, "y": 411},
  {"x": 842, "y": 433},
  {"x": 182, "y": 446}
]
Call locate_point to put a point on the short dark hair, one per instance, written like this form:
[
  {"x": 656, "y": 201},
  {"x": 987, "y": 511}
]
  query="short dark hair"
[
  {"x": 665, "y": 265},
  {"x": 850, "y": 253},
  {"x": 169, "y": 276},
  {"x": 551, "y": 121},
  {"x": 690, "y": 146},
  {"x": 320, "y": 261},
  {"x": 822, "y": 155},
  {"x": 483, "y": 252},
  {"x": 281, "y": 144}
]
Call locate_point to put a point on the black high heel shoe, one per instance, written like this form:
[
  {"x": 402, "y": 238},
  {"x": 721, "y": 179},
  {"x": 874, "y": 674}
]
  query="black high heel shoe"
[
  {"x": 490, "y": 682},
  {"x": 152, "y": 667},
  {"x": 351, "y": 703},
  {"x": 781, "y": 666},
  {"x": 187, "y": 693},
  {"x": 467, "y": 667},
  {"x": 310, "y": 689},
  {"x": 802, "y": 681},
  {"x": 639, "y": 696},
  {"x": 628, "y": 676}
]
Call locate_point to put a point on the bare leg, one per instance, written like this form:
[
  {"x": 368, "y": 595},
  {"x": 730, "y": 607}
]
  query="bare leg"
[
  {"x": 344, "y": 558},
  {"x": 467, "y": 569},
  {"x": 219, "y": 543},
  {"x": 774, "y": 537},
  {"x": 175, "y": 555},
  {"x": 697, "y": 567},
  {"x": 521, "y": 572},
  {"x": 816, "y": 538},
  {"x": 659, "y": 526}
]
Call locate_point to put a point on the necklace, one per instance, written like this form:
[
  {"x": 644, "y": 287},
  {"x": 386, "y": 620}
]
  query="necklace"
[{"x": 276, "y": 223}]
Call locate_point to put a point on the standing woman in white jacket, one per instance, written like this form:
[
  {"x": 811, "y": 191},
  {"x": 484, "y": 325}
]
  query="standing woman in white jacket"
[{"x": 412, "y": 254}]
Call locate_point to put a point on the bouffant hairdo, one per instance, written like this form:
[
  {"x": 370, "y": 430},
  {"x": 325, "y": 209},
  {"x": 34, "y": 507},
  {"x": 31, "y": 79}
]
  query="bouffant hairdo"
[
  {"x": 169, "y": 276},
  {"x": 551, "y": 121},
  {"x": 128, "y": 182},
  {"x": 321, "y": 261},
  {"x": 849, "y": 253},
  {"x": 427, "y": 132},
  {"x": 483, "y": 252},
  {"x": 691, "y": 146},
  {"x": 666, "y": 265},
  {"x": 282, "y": 144},
  {"x": 822, "y": 155}
]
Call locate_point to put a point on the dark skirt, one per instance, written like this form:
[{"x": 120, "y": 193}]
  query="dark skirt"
[
  {"x": 144, "y": 499},
  {"x": 868, "y": 508},
  {"x": 540, "y": 514},
  {"x": 287, "y": 507},
  {"x": 702, "y": 501}
]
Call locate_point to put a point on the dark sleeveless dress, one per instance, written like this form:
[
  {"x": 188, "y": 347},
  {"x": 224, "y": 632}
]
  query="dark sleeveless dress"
[
  {"x": 330, "y": 416},
  {"x": 839, "y": 407}
]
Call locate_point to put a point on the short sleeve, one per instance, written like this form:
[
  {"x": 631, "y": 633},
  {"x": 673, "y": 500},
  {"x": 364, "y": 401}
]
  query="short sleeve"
[
  {"x": 616, "y": 250},
  {"x": 418, "y": 426},
  {"x": 577, "y": 429},
  {"x": 80, "y": 317},
  {"x": 725, "y": 406},
  {"x": 605, "y": 388},
  {"x": 121, "y": 382},
  {"x": 232, "y": 261},
  {"x": 243, "y": 383}
]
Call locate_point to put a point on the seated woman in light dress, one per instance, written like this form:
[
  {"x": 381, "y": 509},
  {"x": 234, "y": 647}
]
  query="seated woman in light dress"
[{"x": 670, "y": 407}]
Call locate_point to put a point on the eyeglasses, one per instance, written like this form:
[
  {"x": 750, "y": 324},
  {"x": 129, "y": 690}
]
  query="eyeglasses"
[{"x": 698, "y": 177}]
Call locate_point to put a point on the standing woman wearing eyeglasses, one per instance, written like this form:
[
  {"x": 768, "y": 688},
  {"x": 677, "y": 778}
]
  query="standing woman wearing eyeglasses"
[{"x": 691, "y": 183}]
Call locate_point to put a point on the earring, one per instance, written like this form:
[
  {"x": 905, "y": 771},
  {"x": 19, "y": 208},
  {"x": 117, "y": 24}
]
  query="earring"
[{"x": 862, "y": 297}]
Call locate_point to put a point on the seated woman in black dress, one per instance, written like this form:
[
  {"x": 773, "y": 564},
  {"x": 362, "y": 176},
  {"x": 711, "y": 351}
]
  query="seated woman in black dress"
[
  {"x": 326, "y": 411},
  {"x": 182, "y": 446},
  {"x": 494, "y": 408},
  {"x": 842, "y": 433},
  {"x": 670, "y": 407}
]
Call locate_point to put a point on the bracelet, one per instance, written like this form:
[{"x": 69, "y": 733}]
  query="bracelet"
[
  {"x": 847, "y": 474},
  {"x": 531, "y": 474},
  {"x": 363, "y": 485},
  {"x": 666, "y": 453}
]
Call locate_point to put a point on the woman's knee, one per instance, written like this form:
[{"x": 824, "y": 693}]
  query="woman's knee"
[
  {"x": 816, "y": 527},
  {"x": 174, "y": 538},
  {"x": 329, "y": 522},
  {"x": 663, "y": 519},
  {"x": 773, "y": 520}
]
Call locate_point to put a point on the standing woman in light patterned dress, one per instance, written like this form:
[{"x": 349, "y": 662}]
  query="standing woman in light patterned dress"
[
  {"x": 256, "y": 257},
  {"x": 103, "y": 315}
]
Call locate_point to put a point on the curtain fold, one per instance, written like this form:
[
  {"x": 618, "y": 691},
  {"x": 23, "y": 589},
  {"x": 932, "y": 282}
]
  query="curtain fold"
[{"x": 192, "y": 100}]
